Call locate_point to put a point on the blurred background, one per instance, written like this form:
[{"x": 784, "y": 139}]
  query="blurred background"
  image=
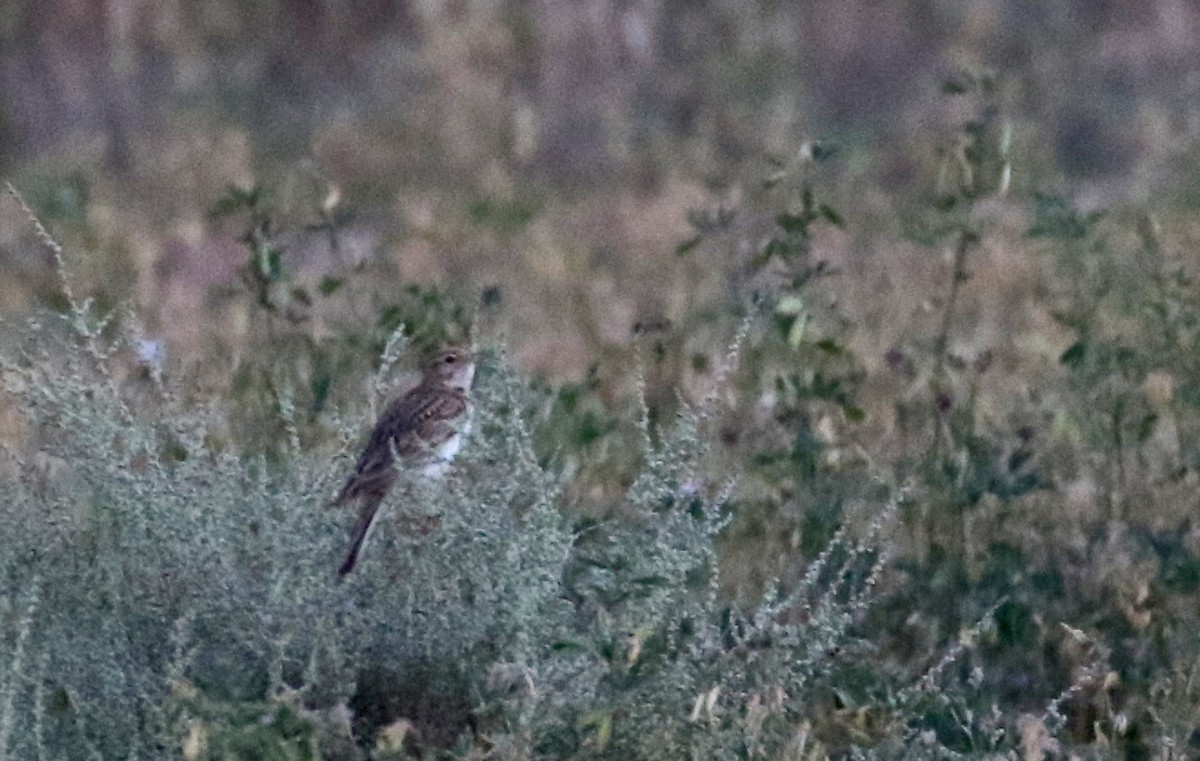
[
  {"x": 552, "y": 149},
  {"x": 971, "y": 225}
]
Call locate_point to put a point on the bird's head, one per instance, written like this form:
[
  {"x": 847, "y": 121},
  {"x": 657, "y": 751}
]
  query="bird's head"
[{"x": 452, "y": 367}]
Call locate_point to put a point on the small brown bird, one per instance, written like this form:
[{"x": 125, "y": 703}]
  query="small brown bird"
[{"x": 424, "y": 427}]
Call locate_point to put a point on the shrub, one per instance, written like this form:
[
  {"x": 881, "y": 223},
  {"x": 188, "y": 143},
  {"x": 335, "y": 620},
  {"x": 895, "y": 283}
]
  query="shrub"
[{"x": 166, "y": 594}]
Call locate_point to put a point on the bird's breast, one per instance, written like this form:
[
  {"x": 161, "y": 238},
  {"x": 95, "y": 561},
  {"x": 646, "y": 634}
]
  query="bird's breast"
[{"x": 445, "y": 452}]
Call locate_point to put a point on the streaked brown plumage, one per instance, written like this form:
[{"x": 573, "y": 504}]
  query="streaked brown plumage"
[{"x": 424, "y": 427}]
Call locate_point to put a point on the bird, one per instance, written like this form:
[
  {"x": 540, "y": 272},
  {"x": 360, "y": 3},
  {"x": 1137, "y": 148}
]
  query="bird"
[{"x": 424, "y": 427}]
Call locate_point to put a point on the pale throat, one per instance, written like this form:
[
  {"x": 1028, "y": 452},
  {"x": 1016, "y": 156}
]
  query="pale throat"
[{"x": 463, "y": 379}]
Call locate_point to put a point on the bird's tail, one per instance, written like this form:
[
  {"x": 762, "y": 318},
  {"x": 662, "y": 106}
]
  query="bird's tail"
[{"x": 362, "y": 530}]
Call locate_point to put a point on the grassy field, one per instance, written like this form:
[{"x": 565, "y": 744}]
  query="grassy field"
[{"x": 839, "y": 394}]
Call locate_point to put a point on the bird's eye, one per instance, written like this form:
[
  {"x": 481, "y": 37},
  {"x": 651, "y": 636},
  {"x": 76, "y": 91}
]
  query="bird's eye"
[{"x": 449, "y": 359}]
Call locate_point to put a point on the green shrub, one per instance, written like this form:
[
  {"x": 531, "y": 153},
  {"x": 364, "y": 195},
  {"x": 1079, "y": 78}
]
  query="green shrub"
[
  {"x": 166, "y": 594},
  {"x": 156, "y": 583}
]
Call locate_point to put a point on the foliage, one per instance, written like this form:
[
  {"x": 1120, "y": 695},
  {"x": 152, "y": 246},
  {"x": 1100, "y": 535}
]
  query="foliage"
[
  {"x": 166, "y": 560},
  {"x": 164, "y": 598}
]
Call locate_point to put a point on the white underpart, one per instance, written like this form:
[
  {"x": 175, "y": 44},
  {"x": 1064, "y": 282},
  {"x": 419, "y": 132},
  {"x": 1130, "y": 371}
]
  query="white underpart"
[{"x": 437, "y": 466}]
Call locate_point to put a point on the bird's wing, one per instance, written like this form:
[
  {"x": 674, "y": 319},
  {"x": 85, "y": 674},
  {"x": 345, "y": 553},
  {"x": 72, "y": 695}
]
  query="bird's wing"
[
  {"x": 419, "y": 421},
  {"x": 409, "y": 425},
  {"x": 415, "y": 422}
]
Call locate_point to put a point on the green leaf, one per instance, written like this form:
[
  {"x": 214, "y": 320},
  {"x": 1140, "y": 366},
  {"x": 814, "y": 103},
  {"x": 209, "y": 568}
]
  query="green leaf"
[
  {"x": 1074, "y": 356},
  {"x": 1053, "y": 217},
  {"x": 1180, "y": 572},
  {"x": 567, "y": 646},
  {"x": 237, "y": 199},
  {"x": 321, "y": 384},
  {"x": 822, "y": 151},
  {"x": 956, "y": 86},
  {"x": 1146, "y": 427},
  {"x": 650, "y": 581},
  {"x": 686, "y": 247},
  {"x": 330, "y": 285},
  {"x": 274, "y": 265},
  {"x": 1014, "y": 624},
  {"x": 784, "y": 247},
  {"x": 794, "y": 223},
  {"x": 830, "y": 346},
  {"x": 390, "y": 316},
  {"x": 831, "y": 215},
  {"x": 504, "y": 215}
]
